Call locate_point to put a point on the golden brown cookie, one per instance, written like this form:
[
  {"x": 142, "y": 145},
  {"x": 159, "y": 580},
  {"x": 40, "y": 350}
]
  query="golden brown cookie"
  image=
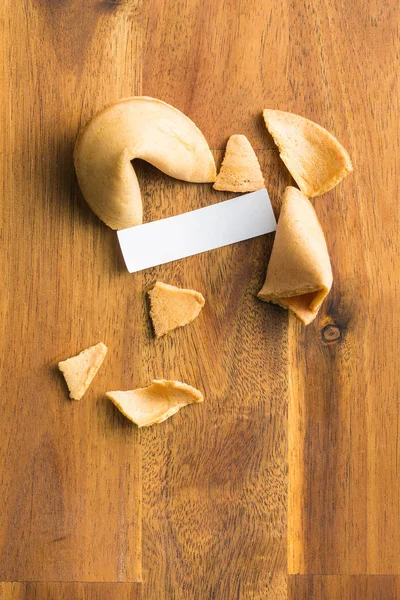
[
  {"x": 138, "y": 127},
  {"x": 299, "y": 274},
  {"x": 314, "y": 158},
  {"x": 240, "y": 170},
  {"x": 156, "y": 403},
  {"x": 172, "y": 307},
  {"x": 79, "y": 370}
]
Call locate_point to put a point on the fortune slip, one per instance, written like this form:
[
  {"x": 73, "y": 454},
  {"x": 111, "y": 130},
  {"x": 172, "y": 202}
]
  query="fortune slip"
[{"x": 164, "y": 241}]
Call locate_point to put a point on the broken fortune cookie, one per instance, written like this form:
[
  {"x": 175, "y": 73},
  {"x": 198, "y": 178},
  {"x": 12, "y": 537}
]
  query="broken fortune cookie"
[
  {"x": 312, "y": 155},
  {"x": 138, "y": 127},
  {"x": 299, "y": 274},
  {"x": 80, "y": 370},
  {"x": 240, "y": 170},
  {"x": 172, "y": 307},
  {"x": 156, "y": 403}
]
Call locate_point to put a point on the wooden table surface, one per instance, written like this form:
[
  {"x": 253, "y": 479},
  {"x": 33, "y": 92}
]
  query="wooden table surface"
[{"x": 285, "y": 482}]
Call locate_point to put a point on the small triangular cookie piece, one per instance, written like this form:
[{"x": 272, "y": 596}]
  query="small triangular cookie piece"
[
  {"x": 79, "y": 370},
  {"x": 154, "y": 404},
  {"x": 299, "y": 274},
  {"x": 240, "y": 170},
  {"x": 172, "y": 307},
  {"x": 312, "y": 155}
]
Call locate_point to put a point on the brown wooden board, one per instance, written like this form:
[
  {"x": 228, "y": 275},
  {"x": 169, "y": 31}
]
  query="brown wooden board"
[
  {"x": 344, "y": 587},
  {"x": 78, "y": 480},
  {"x": 70, "y": 591},
  {"x": 344, "y": 501},
  {"x": 224, "y": 499}
]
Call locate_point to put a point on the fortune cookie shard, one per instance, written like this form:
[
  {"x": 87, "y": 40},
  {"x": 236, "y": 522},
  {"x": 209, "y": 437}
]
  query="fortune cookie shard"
[
  {"x": 156, "y": 403},
  {"x": 138, "y": 127},
  {"x": 299, "y": 274},
  {"x": 314, "y": 158},
  {"x": 79, "y": 370},
  {"x": 172, "y": 307},
  {"x": 240, "y": 170}
]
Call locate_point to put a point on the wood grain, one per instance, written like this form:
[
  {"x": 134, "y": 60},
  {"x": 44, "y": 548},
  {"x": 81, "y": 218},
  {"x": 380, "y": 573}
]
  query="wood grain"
[
  {"x": 344, "y": 497},
  {"x": 216, "y": 527},
  {"x": 209, "y": 485},
  {"x": 70, "y": 591},
  {"x": 70, "y": 471},
  {"x": 197, "y": 507},
  {"x": 344, "y": 587},
  {"x": 220, "y": 62}
]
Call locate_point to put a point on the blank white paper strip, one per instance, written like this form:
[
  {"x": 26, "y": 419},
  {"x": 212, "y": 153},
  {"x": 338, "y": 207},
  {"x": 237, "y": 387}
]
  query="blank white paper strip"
[{"x": 160, "y": 242}]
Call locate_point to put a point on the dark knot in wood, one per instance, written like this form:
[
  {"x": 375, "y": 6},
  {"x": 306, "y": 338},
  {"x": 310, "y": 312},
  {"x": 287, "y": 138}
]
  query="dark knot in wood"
[{"x": 331, "y": 333}]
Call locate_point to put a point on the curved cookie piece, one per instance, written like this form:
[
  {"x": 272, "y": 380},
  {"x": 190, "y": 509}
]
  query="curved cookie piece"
[
  {"x": 172, "y": 307},
  {"x": 156, "y": 403},
  {"x": 240, "y": 170},
  {"x": 299, "y": 274},
  {"x": 80, "y": 370},
  {"x": 314, "y": 158},
  {"x": 138, "y": 127}
]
